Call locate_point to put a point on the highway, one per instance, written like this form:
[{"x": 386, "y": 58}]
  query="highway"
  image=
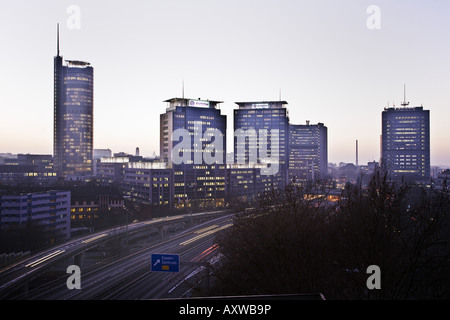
[{"x": 129, "y": 277}]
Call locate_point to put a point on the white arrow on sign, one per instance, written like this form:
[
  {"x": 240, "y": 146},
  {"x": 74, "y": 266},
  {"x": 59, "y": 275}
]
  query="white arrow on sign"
[{"x": 157, "y": 261}]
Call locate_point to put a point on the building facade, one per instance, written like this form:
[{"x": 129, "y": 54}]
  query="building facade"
[
  {"x": 47, "y": 210},
  {"x": 98, "y": 155},
  {"x": 193, "y": 144},
  {"x": 261, "y": 136},
  {"x": 245, "y": 182},
  {"x": 110, "y": 170},
  {"x": 148, "y": 183},
  {"x": 28, "y": 170},
  {"x": 89, "y": 204},
  {"x": 405, "y": 143},
  {"x": 73, "y": 118},
  {"x": 308, "y": 152}
]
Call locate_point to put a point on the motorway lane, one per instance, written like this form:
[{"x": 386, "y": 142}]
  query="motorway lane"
[
  {"x": 144, "y": 284},
  {"x": 34, "y": 264},
  {"x": 172, "y": 285},
  {"x": 12, "y": 275},
  {"x": 130, "y": 277},
  {"x": 31, "y": 265}
]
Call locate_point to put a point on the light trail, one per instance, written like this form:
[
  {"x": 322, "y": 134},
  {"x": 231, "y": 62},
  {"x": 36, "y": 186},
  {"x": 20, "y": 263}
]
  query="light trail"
[
  {"x": 45, "y": 258},
  {"x": 205, "y": 234},
  {"x": 95, "y": 238},
  {"x": 205, "y": 253},
  {"x": 206, "y": 229}
]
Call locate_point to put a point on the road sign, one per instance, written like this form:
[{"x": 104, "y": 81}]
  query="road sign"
[{"x": 162, "y": 262}]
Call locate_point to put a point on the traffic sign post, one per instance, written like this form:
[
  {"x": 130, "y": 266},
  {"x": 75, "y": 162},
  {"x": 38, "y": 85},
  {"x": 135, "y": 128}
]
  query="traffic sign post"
[{"x": 161, "y": 262}]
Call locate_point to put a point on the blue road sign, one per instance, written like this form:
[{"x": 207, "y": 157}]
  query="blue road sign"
[{"x": 165, "y": 262}]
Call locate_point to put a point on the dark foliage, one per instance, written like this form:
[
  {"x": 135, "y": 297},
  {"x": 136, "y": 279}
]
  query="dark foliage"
[{"x": 293, "y": 242}]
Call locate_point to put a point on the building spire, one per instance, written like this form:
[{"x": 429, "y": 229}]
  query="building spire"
[{"x": 57, "y": 39}]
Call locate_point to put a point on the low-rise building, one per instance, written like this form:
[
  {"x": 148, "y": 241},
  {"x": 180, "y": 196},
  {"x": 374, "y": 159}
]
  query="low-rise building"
[
  {"x": 48, "y": 210},
  {"x": 92, "y": 203},
  {"x": 148, "y": 183}
]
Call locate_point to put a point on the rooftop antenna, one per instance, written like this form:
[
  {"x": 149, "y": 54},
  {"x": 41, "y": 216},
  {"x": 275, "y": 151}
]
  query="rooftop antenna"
[
  {"x": 182, "y": 88},
  {"x": 404, "y": 103},
  {"x": 57, "y": 38},
  {"x": 280, "y": 94}
]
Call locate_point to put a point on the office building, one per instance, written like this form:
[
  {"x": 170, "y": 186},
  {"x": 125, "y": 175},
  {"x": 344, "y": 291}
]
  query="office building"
[
  {"x": 252, "y": 145},
  {"x": 148, "y": 183},
  {"x": 110, "y": 170},
  {"x": 47, "y": 210},
  {"x": 91, "y": 205},
  {"x": 245, "y": 182},
  {"x": 73, "y": 118},
  {"x": 193, "y": 144},
  {"x": 99, "y": 154},
  {"x": 405, "y": 143},
  {"x": 443, "y": 178},
  {"x": 28, "y": 170},
  {"x": 308, "y": 152}
]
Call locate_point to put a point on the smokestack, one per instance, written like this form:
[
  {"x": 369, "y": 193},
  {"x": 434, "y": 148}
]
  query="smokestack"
[{"x": 356, "y": 152}]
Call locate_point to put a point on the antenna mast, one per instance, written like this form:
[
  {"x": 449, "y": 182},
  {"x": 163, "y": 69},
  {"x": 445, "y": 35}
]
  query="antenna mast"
[
  {"x": 57, "y": 38},
  {"x": 404, "y": 103}
]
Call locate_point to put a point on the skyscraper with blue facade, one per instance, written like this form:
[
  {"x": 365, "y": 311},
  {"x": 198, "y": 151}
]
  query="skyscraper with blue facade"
[
  {"x": 193, "y": 144},
  {"x": 405, "y": 143},
  {"x": 73, "y": 132}
]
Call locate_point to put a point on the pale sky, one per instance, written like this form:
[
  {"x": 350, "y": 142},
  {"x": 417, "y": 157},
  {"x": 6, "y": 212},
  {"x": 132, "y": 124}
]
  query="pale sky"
[{"x": 329, "y": 65}]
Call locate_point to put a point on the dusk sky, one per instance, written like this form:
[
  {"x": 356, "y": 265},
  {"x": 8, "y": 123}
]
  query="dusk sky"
[{"x": 330, "y": 66}]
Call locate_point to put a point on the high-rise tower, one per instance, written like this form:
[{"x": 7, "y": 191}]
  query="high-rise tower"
[
  {"x": 308, "y": 152},
  {"x": 254, "y": 118},
  {"x": 405, "y": 142},
  {"x": 73, "y": 117},
  {"x": 198, "y": 180}
]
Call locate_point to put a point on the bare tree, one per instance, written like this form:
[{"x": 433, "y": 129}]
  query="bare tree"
[{"x": 293, "y": 241}]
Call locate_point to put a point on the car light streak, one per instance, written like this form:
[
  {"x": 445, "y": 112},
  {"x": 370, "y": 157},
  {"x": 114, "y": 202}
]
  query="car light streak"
[
  {"x": 95, "y": 238},
  {"x": 173, "y": 218},
  {"x": 204, "y": 235},
  {"x": 205, "y": 253},
  {"x": 45, "y": 258},
  {"x": 206, "y": 229}
]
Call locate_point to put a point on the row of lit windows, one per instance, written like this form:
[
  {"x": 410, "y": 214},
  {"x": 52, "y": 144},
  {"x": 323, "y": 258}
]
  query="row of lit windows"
[
  {"x": 35, "y": 174},
  {"x": 259, "y": 111},
  {"x": 242, "y": 172},
  {"x": 408, "y": 156},
  {"x": 409, "y": 117},
  {"x": 406, "y": 171},
  {"x": 83, "y": 209},
  {"x": 78, "y": 90},
  {"x": 210, "y": 178}
]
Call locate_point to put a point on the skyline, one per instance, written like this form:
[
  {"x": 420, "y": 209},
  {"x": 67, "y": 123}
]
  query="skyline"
[{"x": 321, "y": 55}]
